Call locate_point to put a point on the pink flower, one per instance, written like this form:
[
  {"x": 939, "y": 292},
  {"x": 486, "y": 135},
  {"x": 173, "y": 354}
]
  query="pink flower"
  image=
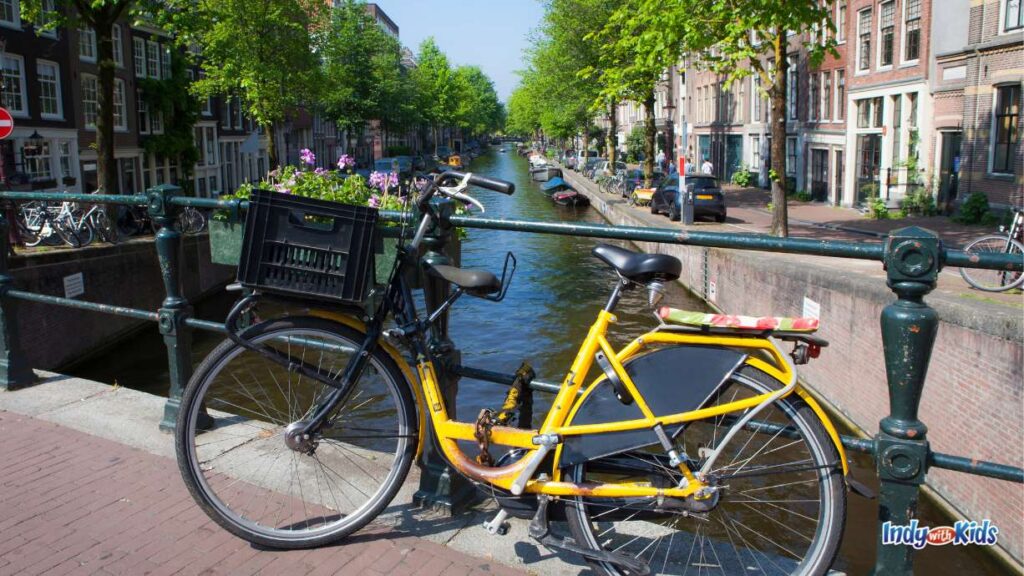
[
  {"x": 320, "y": 171},
  {"x": 374, "y": 201},
  {"x": 307, "y": 156},
  {"x": 346, "y": 161}
]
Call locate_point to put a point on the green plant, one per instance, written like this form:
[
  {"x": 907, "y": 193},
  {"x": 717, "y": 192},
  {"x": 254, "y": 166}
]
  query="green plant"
[
  {"x": 802, "y": 196},
  {"x": 879, "y": 211},
  {"x": 741, "y": 177},
  {"x": 919, "y": 203},
  {"x": 974, "y": 210},
  {"x": 769, "y": 207},
  {"x": 635, "y": 144}
]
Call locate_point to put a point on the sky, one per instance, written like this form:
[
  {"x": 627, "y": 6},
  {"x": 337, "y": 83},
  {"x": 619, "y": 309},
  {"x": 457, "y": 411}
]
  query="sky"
[{"x": 488, "y": 33}]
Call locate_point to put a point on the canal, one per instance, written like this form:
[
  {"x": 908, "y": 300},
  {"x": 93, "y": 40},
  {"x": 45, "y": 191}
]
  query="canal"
[{"x": 554, "y": 297}]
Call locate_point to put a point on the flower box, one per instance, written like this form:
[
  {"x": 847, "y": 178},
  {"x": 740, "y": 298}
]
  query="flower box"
[{"x": 226, "y": 242}]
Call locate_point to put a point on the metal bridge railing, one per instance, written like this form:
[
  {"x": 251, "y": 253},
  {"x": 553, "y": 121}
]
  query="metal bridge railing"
[{"x": 912, "y": 258}]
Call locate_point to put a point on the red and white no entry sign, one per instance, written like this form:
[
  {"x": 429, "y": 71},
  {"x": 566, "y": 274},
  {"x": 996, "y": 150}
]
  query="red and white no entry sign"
[{"x": 6, "y": 123}]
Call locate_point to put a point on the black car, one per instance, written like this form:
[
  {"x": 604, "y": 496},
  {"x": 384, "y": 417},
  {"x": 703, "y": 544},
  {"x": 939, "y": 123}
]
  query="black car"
[{"x": 708, "y": 199}]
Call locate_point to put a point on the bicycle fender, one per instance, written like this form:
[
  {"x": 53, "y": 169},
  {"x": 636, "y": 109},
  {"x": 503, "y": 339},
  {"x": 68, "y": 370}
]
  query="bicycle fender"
[
  {"x": 827, "y": 423},
  {"x": 403, "y": 365},
  {"x": 671, "y": 380}
]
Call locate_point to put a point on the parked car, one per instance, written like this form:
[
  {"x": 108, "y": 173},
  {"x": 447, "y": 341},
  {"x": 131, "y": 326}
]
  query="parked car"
[
  {"x": 591, "y": 166},
  {"x": 604, "y": 169},
  {"x": 579, "y": 158},
  {"x": 708, "y": 199}
]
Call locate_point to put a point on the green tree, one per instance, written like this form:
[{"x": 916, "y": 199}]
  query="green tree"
[
  {"x": 636, "y": 144},
  {"x": 478, "y": 110},
  {"x": 262, "y": 51},
  {"x": 435, "y": 88},
  {"x": 172, "y": 98},
  {"x": 735, "y": 39},
  {"x": 100, "y": 15}
]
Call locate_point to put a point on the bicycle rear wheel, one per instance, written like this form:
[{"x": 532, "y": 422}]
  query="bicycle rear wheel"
[
  {"x": 780, "y": 508},
  {"x": 249, "y": 471},
  {"x": 993, "y": 280}
]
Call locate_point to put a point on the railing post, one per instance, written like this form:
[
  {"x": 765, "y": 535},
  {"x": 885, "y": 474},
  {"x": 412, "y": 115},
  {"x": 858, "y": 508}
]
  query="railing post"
[
  {"x": 175, "y": 307},
  {"x": 14, "y": 371},
  {"x": 909, "y": 325},
  {"x": 439, "y": 486}
]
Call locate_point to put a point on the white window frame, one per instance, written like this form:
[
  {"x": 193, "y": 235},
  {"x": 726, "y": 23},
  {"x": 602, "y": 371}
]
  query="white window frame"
[
  {"x": 860, "y": 45},
  {"x": 118, "y": 45},
  {"x": 84, "y": 33},
  {"x": 46, "y": 7},
  {"x": 22, "y": 112},
  {"x": 878, "y": 45},
  {"x": 1003, "y": 5},
  {"x": 755, "y": 151},
  {"x": 15, "y": 22},
  {"x": 85, "y": 120},
  {"x": 142, "y": 113},
  {"x": 840, "y": 100},
  {"x": 755, "y": 99},
  {"x": 841, "y": 30},
  {"x": 903, "y": 35},
  {"x": 993, "y": 131},
  {"x": 139, "y": 56},
  {"x": 793, "y": 88},
  {"x": 152, "y": 57},
  {"x": 824, "y": 105},
  {"x": 165, "y": 62},
  {"x": 59, "y": 115},
  {"x": 791, "y": 166},
  {"x": 120, "y": 100}
]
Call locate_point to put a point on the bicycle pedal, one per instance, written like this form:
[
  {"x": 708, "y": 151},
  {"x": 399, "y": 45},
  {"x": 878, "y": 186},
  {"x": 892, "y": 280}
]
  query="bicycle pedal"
[{"x": 498, "y": 526}]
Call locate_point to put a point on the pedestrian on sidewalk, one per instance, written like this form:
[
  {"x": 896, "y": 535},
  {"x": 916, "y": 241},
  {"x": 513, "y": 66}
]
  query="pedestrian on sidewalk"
[{"x": 707, "y": 167}]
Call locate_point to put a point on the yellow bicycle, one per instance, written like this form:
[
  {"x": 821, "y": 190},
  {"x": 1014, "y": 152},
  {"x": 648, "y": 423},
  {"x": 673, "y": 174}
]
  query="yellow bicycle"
[{"x": 693, "y": 447}]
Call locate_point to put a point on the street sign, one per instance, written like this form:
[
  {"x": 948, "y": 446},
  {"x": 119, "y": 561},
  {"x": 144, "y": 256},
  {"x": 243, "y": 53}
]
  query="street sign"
[{"x": 6, "y": 123}]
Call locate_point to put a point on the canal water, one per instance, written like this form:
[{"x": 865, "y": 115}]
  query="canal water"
[{"x": 554, "y": 297}]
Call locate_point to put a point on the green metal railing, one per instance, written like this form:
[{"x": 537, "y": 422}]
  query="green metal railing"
[{"x": 912, "y": 258}]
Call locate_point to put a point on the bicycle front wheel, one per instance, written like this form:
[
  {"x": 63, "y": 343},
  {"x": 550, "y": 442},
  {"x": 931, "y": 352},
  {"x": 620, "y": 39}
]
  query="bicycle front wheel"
[
  {"x": 993, "y": 280},
  {"x": 244, "y": 465},
  {"x": 779, "y": 508}
]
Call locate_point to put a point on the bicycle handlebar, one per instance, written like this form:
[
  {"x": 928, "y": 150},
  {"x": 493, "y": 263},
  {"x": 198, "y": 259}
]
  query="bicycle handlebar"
[{"x": 502, "y": 186}]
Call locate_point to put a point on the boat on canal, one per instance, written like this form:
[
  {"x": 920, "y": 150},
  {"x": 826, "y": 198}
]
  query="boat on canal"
[
  {"x": 545, "y": 173},
  {"x": 570, "y": 198},
  {"x": 554, "y": 185}
]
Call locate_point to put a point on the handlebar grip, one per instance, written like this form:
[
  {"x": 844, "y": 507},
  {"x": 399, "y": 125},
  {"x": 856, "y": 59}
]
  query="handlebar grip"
[{"x": 502, "y": 186}]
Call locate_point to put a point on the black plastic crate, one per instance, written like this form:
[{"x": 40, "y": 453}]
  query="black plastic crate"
[{"x": 307, "y": 247}]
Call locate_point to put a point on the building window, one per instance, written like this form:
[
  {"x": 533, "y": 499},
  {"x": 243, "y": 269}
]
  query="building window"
[
  {"x": 87, "y": 44},
  {"x": 211, "y": 148},
  {"x": 869, "y": 113},
  {"x": 912, "y": 121},
  {"x": 814, "y": 88},
  {"x": 1007, "y": 128},
  {"x": 755, "y": 151},
  {"x": 47, "y": 13},
  {"x": 864, "y": 39},
  {"x": 139, "y": 56},
  {"x": 791, "y": 155},
  {"x": 9, "y": 14},
  {"x": 152, "y": 59},
  {"x": 199, "y": 145},
  {"x": 50, "y": 105},
  {"x": 792, "y": 87},
  {"x": 14, "y": 94},
  {"x": 120, "y": 118},
  {"x": 142, "y": 109},
  {"x": 841, "y": 22},
  {"x": 238, "y": 113},
  {"x": 755, "y": 98},
  {"x": 64, "y": 156},
  {"x": 826, "y": 95},
  {"x": 912, "y": 31},
  {"x": 887, "y": 31},
  {"x": 897, "y": 128},
  {"x": 840, "y": 95},
  {"x": 165, "y": 63},
  {"x": 115, "y": 34},
  {"x": 158, "y": 121},
  {"x": 37, "y": 160},
  {"x": 89, "y": 107},
  {"x": 225, "y": 112},
  {"x": 1013, "y": 18}
]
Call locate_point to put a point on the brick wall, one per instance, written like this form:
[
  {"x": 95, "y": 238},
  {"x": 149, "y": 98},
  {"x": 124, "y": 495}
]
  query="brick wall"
[{"x": 123, "y": 275}]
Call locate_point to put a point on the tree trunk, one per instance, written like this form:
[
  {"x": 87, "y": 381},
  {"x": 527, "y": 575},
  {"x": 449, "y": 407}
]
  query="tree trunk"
[
  {"x": 650, "y": 135},
  {"x": 586, "y": 143},
  {"x": 613, "y": 130},
  {"x": 272, "y": 158},
  {"x": 777, "y": 93},
  {"x": 106, "y": 167}
]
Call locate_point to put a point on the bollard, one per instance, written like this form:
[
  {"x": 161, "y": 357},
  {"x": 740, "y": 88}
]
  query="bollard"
[
  {"x": 440, "y": 488},
  {"x": 14, "y": 373},
  {"x": 909, "y": 326},
  {"x": 175, "y": 308}
]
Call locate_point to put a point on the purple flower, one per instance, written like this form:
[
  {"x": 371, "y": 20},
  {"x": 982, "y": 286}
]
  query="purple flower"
[
  {"x": 374, "y": 201},
  {"x": 346, "y": 161},
  {"x": 307, "y": 156},
  {"x": 280, "y": 188},
  {"x": 320, "y": 171},
  {"x": 383, "y": 180}
]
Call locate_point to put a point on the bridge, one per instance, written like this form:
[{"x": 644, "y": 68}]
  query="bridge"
[{"x": 912, "y": 259}]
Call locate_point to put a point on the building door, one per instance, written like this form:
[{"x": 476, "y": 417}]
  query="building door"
[
  {"x": 840, "y": 158},
  {"x": 869, "y": 157},
  {"x": 703, "y": 151},
  {"x": 733, "y": 155},
  {"x": 949, "y": 169},
  {"x": 819, "y": 175}
]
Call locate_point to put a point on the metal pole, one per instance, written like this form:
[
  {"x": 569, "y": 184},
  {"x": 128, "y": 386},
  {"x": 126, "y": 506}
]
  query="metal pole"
[
  {"x": 14, "y": 372},
  {"x": 440, "y": 488},
  {"x": 909, "y": 327},
  {"x": 175, "y": 308}
]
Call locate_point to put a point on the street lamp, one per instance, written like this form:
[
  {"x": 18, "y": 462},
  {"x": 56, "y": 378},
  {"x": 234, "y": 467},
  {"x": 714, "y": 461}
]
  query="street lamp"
[{"x": 670, "y": 137}]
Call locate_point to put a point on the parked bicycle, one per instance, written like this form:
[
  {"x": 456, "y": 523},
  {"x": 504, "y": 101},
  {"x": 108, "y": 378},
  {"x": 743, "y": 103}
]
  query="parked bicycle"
[
  {"x": 191, "y": 221},
  {"x": 1006, "y": 242},
  {"x": 694, "y": 447}
]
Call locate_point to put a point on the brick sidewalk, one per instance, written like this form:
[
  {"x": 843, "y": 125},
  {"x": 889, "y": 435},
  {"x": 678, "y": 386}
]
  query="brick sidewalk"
[{"x": 71, "y": 503}]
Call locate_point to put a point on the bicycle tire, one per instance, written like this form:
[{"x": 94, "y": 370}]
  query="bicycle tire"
[
  {"x": 831, "y": 490},
  {"x": 235, "y": 405},
  {"x": 993, "y": 280}
]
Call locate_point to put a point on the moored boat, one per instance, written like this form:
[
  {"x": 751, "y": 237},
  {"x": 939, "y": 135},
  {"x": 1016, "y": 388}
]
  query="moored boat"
[
  {"x": 545, "y": 173},
  {"x": 554, "y": 185},
  {"x": 570, "y": 197}
]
